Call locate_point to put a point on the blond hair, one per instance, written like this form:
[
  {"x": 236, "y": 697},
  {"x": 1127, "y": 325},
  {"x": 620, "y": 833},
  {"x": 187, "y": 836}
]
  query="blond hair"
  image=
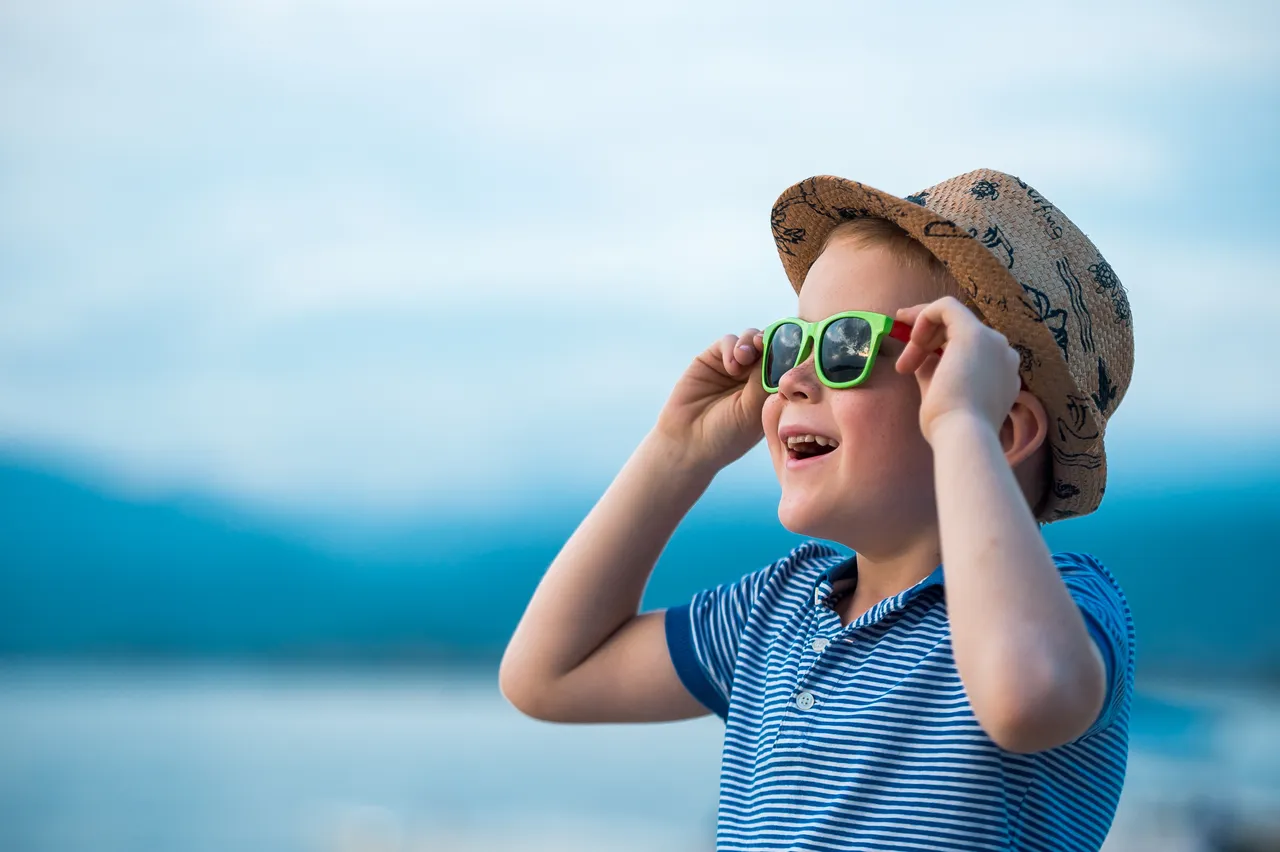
[{"x": 872, "y": 232}]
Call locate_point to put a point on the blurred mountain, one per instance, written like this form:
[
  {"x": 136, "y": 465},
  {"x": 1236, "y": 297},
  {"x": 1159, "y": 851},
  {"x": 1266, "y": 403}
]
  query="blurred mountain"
[
  {"x": 87, "y": 572},
  {"x": 84, "y": 571}
]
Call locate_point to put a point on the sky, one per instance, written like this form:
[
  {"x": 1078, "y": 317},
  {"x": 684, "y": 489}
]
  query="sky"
[{"x": 370, "y": 259}]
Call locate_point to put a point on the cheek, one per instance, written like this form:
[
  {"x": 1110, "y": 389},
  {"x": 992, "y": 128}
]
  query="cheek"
[
  {"x": 861, "y": 418},
  {"x": 769, "y": 418},
  {"x": 883, "y": 427}
]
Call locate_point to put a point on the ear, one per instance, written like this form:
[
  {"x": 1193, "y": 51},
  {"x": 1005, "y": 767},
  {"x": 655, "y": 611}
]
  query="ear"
[{"x": 1024, "y": 429}]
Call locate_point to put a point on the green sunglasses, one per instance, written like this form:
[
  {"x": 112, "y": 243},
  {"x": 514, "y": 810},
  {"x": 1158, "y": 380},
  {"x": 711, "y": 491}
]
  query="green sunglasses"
[{"x": 846, "y": 345}]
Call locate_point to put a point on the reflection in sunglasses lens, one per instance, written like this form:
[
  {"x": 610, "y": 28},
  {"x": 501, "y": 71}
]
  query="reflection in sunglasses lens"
[
  {"x": 783, "y": 348},
  {"x": 846, "y": 346}
]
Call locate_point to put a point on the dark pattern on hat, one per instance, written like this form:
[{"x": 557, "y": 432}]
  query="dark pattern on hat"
[
  {"x": 1043, "y": 311},
  {"x": 1088, "y": 461},
  {"x": 1107, "y": 282},
  {"x": 919, "y": 198},
  {"x": 1106, "y": 389},
  {"x": 1026, "y": 358},
  {"x": 1063, "y": 490},
  {"x": 1078, "y": 411},
  {"x": 847, "y": 213},
  {"x": 994, "y": 238},
  {"x": 944, "y": 228},
  {"x": 1084, "y": 321},
  {"x": 784, "y": 237},
  {"x": 985, "y": 189},
  {"x": 986, "y": 300},
  {"x": 1045, "y": 209}
]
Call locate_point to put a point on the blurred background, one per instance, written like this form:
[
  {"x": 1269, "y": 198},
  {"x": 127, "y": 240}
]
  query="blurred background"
[{"x": 323, "y": 324}]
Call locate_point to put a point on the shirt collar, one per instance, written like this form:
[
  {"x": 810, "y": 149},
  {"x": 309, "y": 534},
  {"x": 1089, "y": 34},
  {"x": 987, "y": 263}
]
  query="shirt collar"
[{"x": 849, "y": 568}]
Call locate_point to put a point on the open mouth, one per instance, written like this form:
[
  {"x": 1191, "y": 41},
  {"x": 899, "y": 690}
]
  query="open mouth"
[{"x": 810, "y": 446}]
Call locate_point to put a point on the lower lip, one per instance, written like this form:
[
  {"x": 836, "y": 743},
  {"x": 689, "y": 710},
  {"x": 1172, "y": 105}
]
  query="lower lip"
[{"x": 807, "y": 462}]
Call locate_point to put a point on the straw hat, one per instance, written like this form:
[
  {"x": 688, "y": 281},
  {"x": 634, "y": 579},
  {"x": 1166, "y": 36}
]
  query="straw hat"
[{"x": 1027, "y": 272}]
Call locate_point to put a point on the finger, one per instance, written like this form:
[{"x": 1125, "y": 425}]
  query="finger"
[
  {"x": 754, "y": 394},
  {"x": 909, "y": 314},
  {"x": 917, "y": 316},
  {"x": 746, "y": 351},
  {"x": 930, "y": 331},
  {"x": 948, "y": 309},
  {"x": 927, "y": 335},
  {"x": 939, "y": 321},
  {"x": 910, "y": 359},
  {"x": 927, "y": 368},
  {"x": 727, "y": 358},
  {"x": 953, "y": 313}
]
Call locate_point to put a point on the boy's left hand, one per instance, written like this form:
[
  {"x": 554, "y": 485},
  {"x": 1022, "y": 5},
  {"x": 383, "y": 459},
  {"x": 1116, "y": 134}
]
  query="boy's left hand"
[{"x": 977, "y": 372}]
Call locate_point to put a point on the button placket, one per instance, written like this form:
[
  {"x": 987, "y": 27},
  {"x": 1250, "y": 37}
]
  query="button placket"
[
  {"x": 814, "y": 647},
  {"x": 796, "y": 717},
  {"x": 804, "y": 698}
]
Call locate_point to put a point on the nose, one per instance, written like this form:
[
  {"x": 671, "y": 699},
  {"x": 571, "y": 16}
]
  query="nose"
[{"x": 800, "y": 382}]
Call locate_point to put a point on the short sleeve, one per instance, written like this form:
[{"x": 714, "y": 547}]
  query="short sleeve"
[
  {"x": 1110, "y": 623},
  {"x": 702, "y": 637}
]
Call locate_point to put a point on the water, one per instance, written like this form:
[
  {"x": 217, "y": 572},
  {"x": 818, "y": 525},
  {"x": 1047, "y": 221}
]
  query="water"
[
  {"x": 293, "y": 760},
  {"x": 215, "y": 759}
]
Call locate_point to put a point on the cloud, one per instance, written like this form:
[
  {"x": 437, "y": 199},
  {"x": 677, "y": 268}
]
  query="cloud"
[{"x": 360, "y": 257}]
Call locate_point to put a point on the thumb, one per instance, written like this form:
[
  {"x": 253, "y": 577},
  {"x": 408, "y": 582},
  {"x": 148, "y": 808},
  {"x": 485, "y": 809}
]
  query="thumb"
[
  {"x": 924, "y": 372},
  {"x": 753, "y": 392}
]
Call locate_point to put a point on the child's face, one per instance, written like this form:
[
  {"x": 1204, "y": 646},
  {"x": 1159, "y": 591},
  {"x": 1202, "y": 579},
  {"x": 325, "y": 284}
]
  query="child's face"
[{"x": 876, "y": 488}]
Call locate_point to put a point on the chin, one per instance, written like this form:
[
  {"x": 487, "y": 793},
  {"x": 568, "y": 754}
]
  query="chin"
[{"x": 803, "y": 516}]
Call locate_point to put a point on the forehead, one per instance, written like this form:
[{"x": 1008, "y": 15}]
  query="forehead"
[{"x": 848, "y": 277}]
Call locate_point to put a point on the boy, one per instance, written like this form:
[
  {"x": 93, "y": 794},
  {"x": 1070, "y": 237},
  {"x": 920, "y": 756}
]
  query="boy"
[{"x": 952, "y": 685}]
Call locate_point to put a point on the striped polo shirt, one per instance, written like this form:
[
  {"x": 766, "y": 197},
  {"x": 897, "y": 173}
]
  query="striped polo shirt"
[{"x": 861, "y": 737}]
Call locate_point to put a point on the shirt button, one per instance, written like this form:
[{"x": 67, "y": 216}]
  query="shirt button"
[
  {"x": 804, "y": 700},
  {"x": 820, "y": 644}
]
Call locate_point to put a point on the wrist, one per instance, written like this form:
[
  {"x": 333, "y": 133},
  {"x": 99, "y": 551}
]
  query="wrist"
[
  {"x": 661, "y": 452},
  {"x": 959, "y": 425}
]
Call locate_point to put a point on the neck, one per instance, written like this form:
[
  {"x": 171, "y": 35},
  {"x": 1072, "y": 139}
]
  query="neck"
[{"x": 884, "y": 573}]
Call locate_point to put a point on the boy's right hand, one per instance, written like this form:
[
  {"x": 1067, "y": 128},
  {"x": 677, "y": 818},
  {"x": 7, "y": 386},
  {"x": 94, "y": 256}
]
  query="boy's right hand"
[
  {"x": 582, "y": 653},
  {"x": 713, "y": 413}
]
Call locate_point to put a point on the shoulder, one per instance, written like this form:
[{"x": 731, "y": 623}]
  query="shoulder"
[
  {"x": 1085, "y": 568},
  {"x": 1106, "y": 609},
  {"x": 793, "y": 575}
]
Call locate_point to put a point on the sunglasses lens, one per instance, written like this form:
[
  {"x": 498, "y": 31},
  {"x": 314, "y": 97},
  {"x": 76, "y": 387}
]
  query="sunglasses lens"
[
  {"x": 846, "y": 346},
  {"x": 784, "y": 346}
]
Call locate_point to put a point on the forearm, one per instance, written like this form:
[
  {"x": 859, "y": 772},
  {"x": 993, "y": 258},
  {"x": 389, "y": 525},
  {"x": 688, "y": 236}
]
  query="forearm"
[
  {"x": 1020, "y": 643},
  {"x": 595, "y": 584}
]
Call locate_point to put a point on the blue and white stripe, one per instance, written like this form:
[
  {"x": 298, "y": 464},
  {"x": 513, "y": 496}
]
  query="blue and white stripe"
[{"x": 862, "y": 737}]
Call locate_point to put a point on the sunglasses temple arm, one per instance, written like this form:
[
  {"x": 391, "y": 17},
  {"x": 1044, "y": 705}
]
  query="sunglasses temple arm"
[{"x": 902, "y": 331}]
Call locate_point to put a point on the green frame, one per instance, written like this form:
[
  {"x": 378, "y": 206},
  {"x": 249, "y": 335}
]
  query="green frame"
[{"x": 811, "y": 335}]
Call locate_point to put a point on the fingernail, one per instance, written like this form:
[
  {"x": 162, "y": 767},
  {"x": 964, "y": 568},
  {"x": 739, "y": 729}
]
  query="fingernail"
[{"x": 745, "y": 348}]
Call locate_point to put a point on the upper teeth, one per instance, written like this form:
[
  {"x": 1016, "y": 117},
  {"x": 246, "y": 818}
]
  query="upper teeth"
[{"x": 821, "y": 440}]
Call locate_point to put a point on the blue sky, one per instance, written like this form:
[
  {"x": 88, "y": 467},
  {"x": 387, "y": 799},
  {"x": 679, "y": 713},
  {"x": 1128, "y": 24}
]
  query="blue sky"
[{"x": 308, "y": 258}]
